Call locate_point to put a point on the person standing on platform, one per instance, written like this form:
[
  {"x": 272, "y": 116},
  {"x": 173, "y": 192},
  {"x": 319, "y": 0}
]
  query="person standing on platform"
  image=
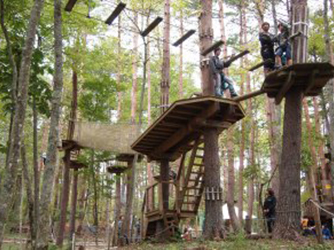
[
  {"x": 267, "y": 48},
  {"x": 222, "y": 81},
  {"x": 284, "y": 46}
]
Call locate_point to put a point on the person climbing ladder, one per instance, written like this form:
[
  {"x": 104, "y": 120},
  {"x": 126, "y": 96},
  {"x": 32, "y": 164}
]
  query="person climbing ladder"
[{"x": 222, "y": 81}]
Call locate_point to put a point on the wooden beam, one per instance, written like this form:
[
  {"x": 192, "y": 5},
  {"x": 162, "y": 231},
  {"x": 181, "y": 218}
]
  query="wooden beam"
[
  {"x": 236, "y": 57},
  {"x": 70, "y": 4},
  {"x": 212, "y": 47},
  {"x": 151, "y": 26},
  {"x": 249, "y": 95},
  {"x": 186, "y": 129},
  {"x": 260, "y": 64},
  {"x": 119, "y": 8},
  {"x": 285, "y": 88},
  {"x": 312, "y": 81},
  {"x": 184, "y": 37}
]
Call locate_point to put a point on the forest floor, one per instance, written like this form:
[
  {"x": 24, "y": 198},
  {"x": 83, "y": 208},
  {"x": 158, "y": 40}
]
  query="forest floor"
[{"x": 235, "y": 243}]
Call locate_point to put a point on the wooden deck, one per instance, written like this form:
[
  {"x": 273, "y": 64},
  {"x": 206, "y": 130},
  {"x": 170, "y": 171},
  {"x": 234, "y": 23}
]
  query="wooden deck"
[
  {"x": 169, "y": 136},
  {"x": 311, "y": 77}
]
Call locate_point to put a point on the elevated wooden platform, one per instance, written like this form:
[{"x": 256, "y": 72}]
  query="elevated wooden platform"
[
  {"x": 311, "y": 77},
  {"x": 170, "y": 135}
]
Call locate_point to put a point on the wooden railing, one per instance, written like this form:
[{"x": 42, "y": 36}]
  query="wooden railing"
[{"x": 153, "y": 201}]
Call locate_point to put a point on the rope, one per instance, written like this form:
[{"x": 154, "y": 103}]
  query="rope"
[{"x": 320, "y": 207}]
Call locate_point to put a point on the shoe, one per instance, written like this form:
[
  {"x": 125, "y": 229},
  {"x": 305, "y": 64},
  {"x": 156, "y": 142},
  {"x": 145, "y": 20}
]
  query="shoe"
[
  {"x": 234, "y": 95},
  {"x": 278, "y": 66}
]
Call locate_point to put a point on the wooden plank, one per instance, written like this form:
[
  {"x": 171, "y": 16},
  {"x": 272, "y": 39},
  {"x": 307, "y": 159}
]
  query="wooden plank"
[
  {"x": 182, "y": 132},
  {"x": 312, "y": 81},
  {"x": 285, "y": 88}
]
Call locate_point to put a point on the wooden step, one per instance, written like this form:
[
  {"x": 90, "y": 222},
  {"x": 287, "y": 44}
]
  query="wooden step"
[
  {"x": 200, "y": 156},
  {"x": 188, "y": 202},
  {"x": 192, "y": 187},
  {"x": 199, "y": 173},
  {"x": 195, "y": 180},
  {"x": 198, "y": 164}
]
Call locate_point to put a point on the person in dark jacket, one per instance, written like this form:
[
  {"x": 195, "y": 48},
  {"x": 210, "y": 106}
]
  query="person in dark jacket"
[
  {"x": 224, "y": 83},
  {"x": 284, "y": 46},
  {"x": 269, "y": 209},
  {"x": 267, "y": 48}
]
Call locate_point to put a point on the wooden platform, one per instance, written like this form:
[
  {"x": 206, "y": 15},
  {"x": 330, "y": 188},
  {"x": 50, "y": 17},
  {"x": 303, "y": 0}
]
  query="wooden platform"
[
  {"x": 311, "y": 77},
  {"x": 169, "y": 136}
]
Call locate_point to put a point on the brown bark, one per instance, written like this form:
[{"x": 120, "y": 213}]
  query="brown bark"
[
  {"x": 288, "y": 207},
  {"x": 242, "y": 138},
  {"x": 322, "y": 144},
  {"x": 64, "y": 198},
  {"x": 134, "y": 74},
  {"x": 213, "y": 225},
  {"x": 36, "y": 171},
  {"x": 30, "y": 196},
  {"x": 118, "y": 208},
  {"x": 165, "y": 77},
  {"x": 329, "y": 89},
  {"x": 126, "y": 226},
  {"x": 311, "y": 172},
  {"x": 74, "y": 202},
  {"x": 231, "y": 182},
  {"x": 19, "y": 118},
  {"x": 119, "y": 70},
  {"x": 52, "y": 151}
]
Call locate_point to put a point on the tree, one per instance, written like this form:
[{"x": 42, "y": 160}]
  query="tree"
[
  {"x": 288, "y": 207},
  {"x": 52, "y": 151},
  {"x": 19, "y": 117},
  {"x": 213, "y": 225}
]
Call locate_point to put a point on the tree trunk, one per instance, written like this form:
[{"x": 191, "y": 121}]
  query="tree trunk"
[
  {"x": 74, "y": 202},
  {"x": 36, "y": 171},
  {"x": 126, "y": 226},
  {"x": 165, "y": 78},
  {"x": 312, "y": 170},
  {"x": 117, "y": 208},
  {"x": 242, "y": 139},
  {"x": 119, "y": 70},
  {"x": 181, "y": 57},
  {"x": 64, "y": 198},
  {"x": 19, "y": 118},
  {"x": 52, "y": 151},
  {"x": 213, "y": 225},
  {"x": 288, "y": 207},
  {"x": 30, "y": 196},
  {"x": 134, "y": 75},
  {"x": 231, "y": 181},
  {"x": 329, "y": 89}
]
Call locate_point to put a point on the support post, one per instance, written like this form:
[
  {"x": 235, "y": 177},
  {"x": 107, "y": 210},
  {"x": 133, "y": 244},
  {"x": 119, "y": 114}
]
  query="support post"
[
  {"x": 74, "y": 202},
  {"x": 213, "y": 225}
]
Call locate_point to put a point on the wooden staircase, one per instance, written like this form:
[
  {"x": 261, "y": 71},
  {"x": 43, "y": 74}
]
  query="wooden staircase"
[{"x": 186, "y": 191}]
